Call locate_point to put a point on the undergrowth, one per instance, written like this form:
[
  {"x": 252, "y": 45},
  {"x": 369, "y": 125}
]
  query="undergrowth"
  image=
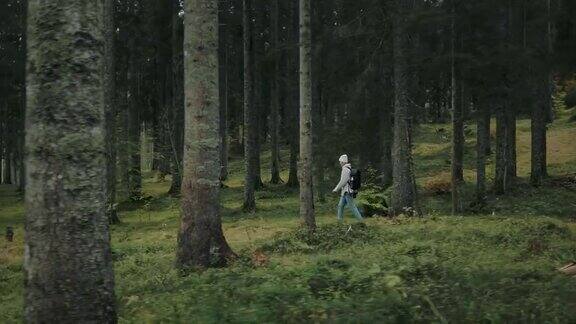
[{"x": 494, "y": 265}]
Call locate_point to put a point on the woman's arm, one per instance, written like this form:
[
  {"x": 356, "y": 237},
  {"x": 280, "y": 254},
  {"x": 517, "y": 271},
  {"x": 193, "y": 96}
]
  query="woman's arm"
[{"x": 344, "y": 178}]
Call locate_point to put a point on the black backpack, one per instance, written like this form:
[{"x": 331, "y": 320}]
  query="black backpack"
[{"x": 355, "y": 181}]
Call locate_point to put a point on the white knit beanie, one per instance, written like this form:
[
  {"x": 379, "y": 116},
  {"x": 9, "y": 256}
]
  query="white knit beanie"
[{"x": 343, "y": 158}]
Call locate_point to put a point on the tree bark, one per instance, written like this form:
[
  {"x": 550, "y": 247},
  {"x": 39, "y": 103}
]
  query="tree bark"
[
  {"x": 306, "y": 158},
  {"x": 7, "y": 177},
  {"x": 110, "y": 105},
  {"x": 134, "y": 125},
  {"x": 275, "y": 99},
  {"x": 292, "y": 93},
  {"x": 177, "y": 133},
  {"x": 538, "y": 135},
  {"x": 511, "y": 165},
  {"x": 542, "y": 110},
  {"x": 223, "y": 39},
  {"x": 500, "y": 176},
  {"x": 457, "y": 175},
  {"x": 404, "y": 188},
  {"x": 201, "y": 241},
  {"x": 250, "y": 113},
  {"x": 258, "y": 14},
  {"x": 67, "y": 261}
]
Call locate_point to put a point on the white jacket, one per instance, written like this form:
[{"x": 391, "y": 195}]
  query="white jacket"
[{"x": 344, "y": 179}]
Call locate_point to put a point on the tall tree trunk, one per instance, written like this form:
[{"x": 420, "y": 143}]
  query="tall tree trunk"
[
  {"x": 162, "y": 110},
  {"x": 250, "y": 113},
  {"x": 258, "y": 13},
  {"x": 275, "y": 99},
  {"x": 201, "y": 238},
  {"x": 404, "y": 189},
  {"x": 68, "y": 260},
  {"x": 306, "y": 158},
  {"x": 223, "y": 40},
  {"x": 542, "y": 110},
  {"x": 8, "y": 147},
  {"x": 22, "y": 106},
  {"x": 110, "y": 105},
  {"x": 177, "y": 133},
  {"x": 511, "y": 165},
  {"x": 482, "y": 140},
  {"x": 134, "y": 125},
  {"x": 7, "y": 177},
  {"x": 500, "y": 176},
  {"x": 538, "y": 136},
  {"x": 457, "y": 131},
  {"x": 292, "y": 93},
  {"x": 487, "y": 131}
]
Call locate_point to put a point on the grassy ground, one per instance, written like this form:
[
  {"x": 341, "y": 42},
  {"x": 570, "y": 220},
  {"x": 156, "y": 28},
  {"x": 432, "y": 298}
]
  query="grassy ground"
[{"x": 496, "y": 266}]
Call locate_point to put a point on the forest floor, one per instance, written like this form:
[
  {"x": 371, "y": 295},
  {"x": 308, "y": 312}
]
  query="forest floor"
[{"x": 495, "y": 265}]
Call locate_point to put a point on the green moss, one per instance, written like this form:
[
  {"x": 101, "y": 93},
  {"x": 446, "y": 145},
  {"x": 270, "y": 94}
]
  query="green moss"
[{"x": 496, "y": 266}]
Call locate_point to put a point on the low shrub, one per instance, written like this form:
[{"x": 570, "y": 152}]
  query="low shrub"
[
  {"x": 438, "y": 186},
  {"x": 372, "y": 201}
]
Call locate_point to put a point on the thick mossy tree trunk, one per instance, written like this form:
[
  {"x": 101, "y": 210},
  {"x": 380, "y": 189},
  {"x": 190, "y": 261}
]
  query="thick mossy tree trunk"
[
  {"x": 177, "y": 131},
  {"x": 201, "y": 241},
  {"x": 111, "y": 108},
  {"x": 275, "y": 98},
  {"x": 250, "y": 113},
  {"x": 306, "y": 149},
  {"x": 68, "y": 260},
  {"x": 404, "y": 188}
]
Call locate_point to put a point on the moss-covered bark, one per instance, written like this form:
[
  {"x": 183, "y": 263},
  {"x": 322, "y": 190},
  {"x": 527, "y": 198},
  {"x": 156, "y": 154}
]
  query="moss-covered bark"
[
  {"x": 68, "y": 262},
  {"x": 111, "y": 108},
  {"x": 201, "y": 241}
]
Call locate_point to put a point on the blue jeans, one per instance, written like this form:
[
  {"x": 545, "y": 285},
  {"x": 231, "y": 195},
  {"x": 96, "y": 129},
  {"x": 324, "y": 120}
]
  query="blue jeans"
[{"x": 348, "y": 200}]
